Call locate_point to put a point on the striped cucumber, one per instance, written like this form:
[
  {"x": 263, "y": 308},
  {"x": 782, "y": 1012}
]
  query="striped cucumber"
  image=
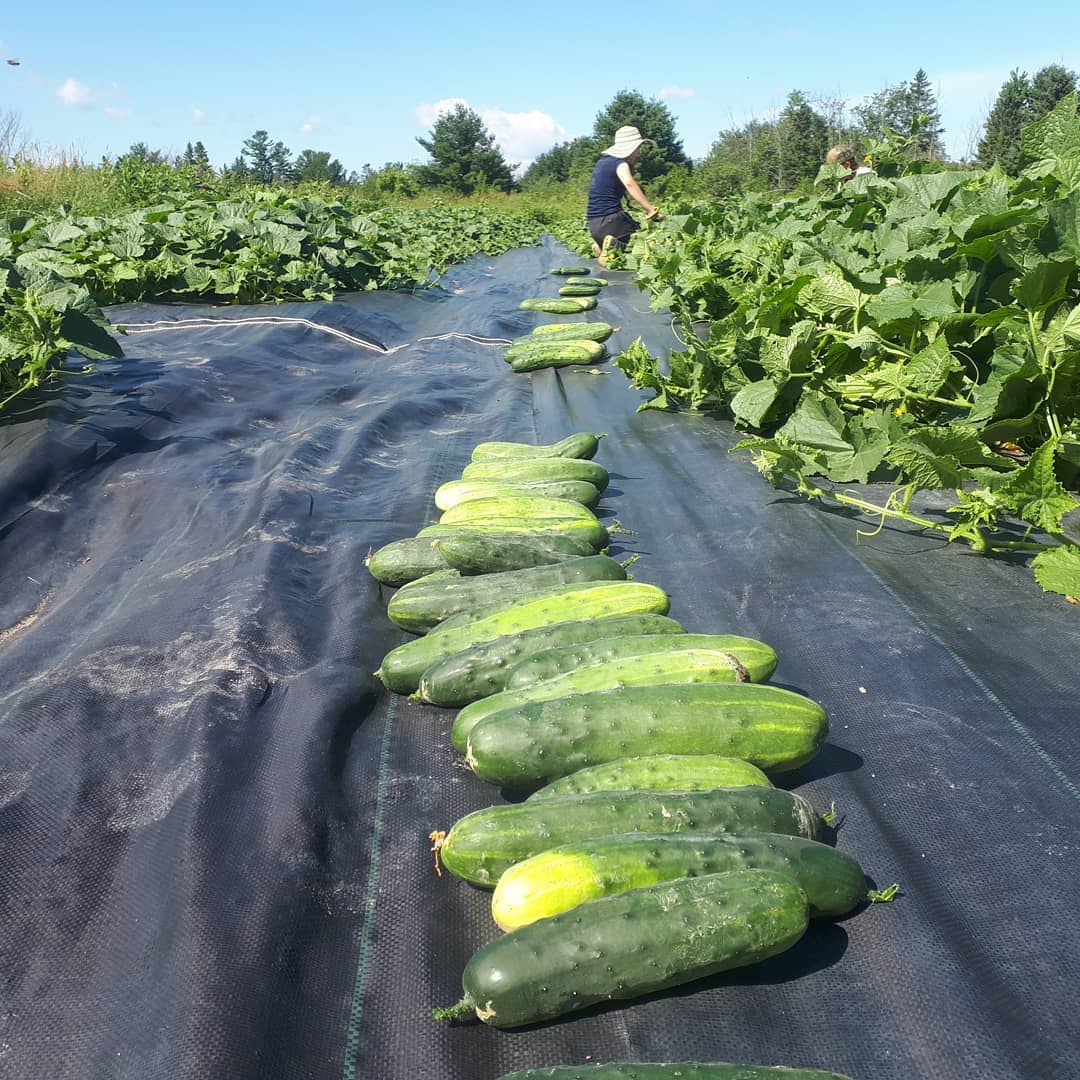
[
  {"x": 526, "y": 747},
  {"x": 571, "y": 874},
  {"x": 671, "y": 1070},
  {"x": 668, "y": 668},
  {"x": 483, "y": 845},
  {"x": 423, "y": 604},
  {"x": 511, "y": 506},
  {"x": 557, "y": 354},
  {"x": 575, "y": 331},
  {"x": 584, "y": 288},
  {"x": 482, "y": 669},
  {"x": 563, "y": 305},
  {"x": 582, "y": 444},
  {"x": 632, "y": 943},
  {"x": 658, "y": 772},
  {"x": 402, "y": 561},
  {"x": 457, "y": 491},
  {"x": 584, "y": 350},
  {"x": 479, "y": 554},
  {"x": 402, "y": 667},
  {"x": 591, "y": 532},
  {"x": 758, "y": 658},
  {"x": 532, "y": 469},
  {"x": 587, "y": 281}
]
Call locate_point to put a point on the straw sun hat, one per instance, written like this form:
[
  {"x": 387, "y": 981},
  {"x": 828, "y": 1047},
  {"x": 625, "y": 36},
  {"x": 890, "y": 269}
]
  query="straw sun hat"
[{"x": 627, "y": 140}]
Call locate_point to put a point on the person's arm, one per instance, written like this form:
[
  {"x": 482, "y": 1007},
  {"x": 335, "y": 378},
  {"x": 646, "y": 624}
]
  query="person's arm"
[{"x": 627, "y": 177}]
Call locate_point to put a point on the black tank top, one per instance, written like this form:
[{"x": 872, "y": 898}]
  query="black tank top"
[{"x": 606, "y": 190}]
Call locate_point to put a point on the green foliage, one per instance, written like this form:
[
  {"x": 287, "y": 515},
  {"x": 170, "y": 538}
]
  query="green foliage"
[
  {"x": 654, "y": 120},
  {"x": 318, "y": 165},
  {"x": 464, "y": 156}
]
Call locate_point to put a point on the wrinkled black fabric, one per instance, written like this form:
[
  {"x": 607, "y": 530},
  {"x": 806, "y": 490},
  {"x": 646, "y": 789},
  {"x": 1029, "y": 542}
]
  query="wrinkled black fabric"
[{"x": 214, "y": 820}]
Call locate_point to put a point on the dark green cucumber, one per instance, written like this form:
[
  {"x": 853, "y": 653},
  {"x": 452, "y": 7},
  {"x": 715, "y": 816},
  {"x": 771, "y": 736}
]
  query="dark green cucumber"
[
  {"x": 670, "y": 667},
  {"x": 483, "y": 845},
  {"x": 457, "y": 491},
  {"x": 563, "y": 877},
  {"x": 423, "y": 604},
  {"x": 576, "y": 331},
  {"x": 510, "y": 506},
  {"x": 402, "y": 667},
  {"x": 402, "y": 561},
  {"x": 563, "y": 305},
  {"x": 658, "y": 772},
  {"x": 533, "y": 469},
  {"x": 565, "y": 270},
  {"x": 587, "y": 281},
  {"x": 758, "y": 658},
  {"x": 558, "y": 354},
  {"x": 526, "y": 747},
  {"x": 482, "y": 669},
  {"x": 591, "y": 532},
  {"x": 583, "y": 288},
  {"x": 672, "y": 1070},
  {"x": 479, "y": 554},
  {"x": 582, "y": 444},
  {"x": 633, "y": 943}
]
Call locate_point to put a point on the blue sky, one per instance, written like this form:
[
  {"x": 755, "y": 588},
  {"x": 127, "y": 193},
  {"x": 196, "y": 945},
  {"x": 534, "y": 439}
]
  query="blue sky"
[{"x": 363, "y": 80}]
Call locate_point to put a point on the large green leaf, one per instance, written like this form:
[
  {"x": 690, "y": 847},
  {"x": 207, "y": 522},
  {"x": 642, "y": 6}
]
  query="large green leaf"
[
  {"x": 1035, "y": 493},
  {"x": 1058, "y": 570},
  {"x": 817, "y": 422},
  {"x": 1052, "y": 144},
  {"x": 752, "y": 403}
]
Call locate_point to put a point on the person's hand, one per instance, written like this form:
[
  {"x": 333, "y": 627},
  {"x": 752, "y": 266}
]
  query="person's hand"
[{"x": 656, "y": 215}]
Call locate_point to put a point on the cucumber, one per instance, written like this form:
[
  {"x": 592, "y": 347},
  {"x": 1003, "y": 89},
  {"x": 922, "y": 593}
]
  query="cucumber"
[
  {"x": 668, "y": 668},
  {"x": 402, "y": 667},
  {"x": 526, "y": 747},
  {"x": 524, "y": 506},
  {"x": 531, "y": 469},
  {"x": 582, "y": 444},
  {"x": 591, "y": 532},
  {"x": 758, "y": 658},
  {"x": 563, "y": 305},
  {"x": 632, "y": 943},
  {"x": 402, "y": 561},
  {"x": 554, "y": 353},
  {"x": 575, "y": 331},
  {"x": 587, "y": 281},
  {"x": 483, "y": 845},
  {"x": 475, "y": 553},
  {"x": 658, "y": 772},
  {"x": 676, "y": 1070},
  {"x": 581, "y": 289},
  {"x": 571, "y": 874},
  {"x": 482, "y": 669},
  {"x": 455, "y": 491},
  {"x": 564, "y": 270},
  {"x": 425, "y": 603}
]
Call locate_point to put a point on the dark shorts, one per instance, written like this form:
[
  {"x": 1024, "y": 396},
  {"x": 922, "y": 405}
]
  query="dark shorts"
[{"x": 618, "y": 226}]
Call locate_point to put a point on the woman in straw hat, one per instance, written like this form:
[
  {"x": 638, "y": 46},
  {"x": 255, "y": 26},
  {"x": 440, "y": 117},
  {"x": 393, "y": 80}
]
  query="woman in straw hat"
[{"x": 609, "y": 224}]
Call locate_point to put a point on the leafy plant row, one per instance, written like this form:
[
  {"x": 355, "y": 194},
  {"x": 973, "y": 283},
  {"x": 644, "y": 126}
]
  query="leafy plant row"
[
  {"x": 915, "y": 326},
  {"x": 56, "y": 270}
]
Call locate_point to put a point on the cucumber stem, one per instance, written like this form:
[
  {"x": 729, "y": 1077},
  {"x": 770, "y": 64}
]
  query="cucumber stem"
[
  {"x": 437, "y": 838},
  {"x": 883, "y": 896},
  {"x": 454, "y": 1012}
]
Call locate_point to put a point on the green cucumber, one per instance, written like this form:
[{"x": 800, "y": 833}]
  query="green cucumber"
[
  {"x": 580, "y": 289},
  {"x": 587, "y": 281},
  {"x": 582, "y": 444},
  {"x": 455, "y": 491},
  {"x": 423, "y": 604},
  {"x": 533, "y": 469},
  {"x": 402, "y": 561},
  {"x": 474, "y": 553},
  {"x": 554, "y": 353},
  {"x": 481, "y": 669},
  {"x": 758, "y": 658},
  {"x": 667, "y": 668},
  {"x": 632, "y": 943},
  {"x": 524, "y": 506},
  {"x": 575, "y": 331},
  {"x": 483, "y": 845},
  {"x": 571, "y": 874},
  {"x": 563, "y": 305},
  {"x": 658, "y": 772},
  {"x": 564, "y": 270},
  {"x": 526, "y": 747},
  {"x": 402, "y": 667},
  {"x": 591, "y": 532},
  {"x": 672, "y": 1070}
]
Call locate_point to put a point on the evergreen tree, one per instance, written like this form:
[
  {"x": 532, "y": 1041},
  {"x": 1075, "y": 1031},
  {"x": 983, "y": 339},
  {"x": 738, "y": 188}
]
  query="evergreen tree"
[
  {"x": 267, "y": 162},
  {"x": 142, "y": 152},
  {"x": 1001, "y": 135},
  {"x": 315, "y": 165},
  {"x": 464, "y": 155},
  {"x": 1048, "y": 87},
  {"x": 802, "y": 140},
  {"x": 883, "y": 112},
  {"x": 654, "y": 120},
  {"x": 920, "y": 102}
]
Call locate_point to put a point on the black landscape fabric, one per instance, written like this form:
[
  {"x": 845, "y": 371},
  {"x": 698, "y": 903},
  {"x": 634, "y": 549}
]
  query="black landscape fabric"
[{"x": 215, "y": 857}]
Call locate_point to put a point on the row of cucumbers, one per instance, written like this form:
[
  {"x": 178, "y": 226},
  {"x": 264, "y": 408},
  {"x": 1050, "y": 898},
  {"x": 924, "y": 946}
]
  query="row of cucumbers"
[
  {"x": 562, "y": 344},
  {"x": 653, "y": 848}
]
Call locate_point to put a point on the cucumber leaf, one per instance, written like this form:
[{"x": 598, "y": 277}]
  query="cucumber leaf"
[{"x": 1058, "y": 570}]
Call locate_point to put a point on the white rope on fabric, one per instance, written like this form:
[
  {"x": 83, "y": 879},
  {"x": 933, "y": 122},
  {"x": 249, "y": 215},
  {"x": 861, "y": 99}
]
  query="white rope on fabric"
[{"x": 284, "y": 320}]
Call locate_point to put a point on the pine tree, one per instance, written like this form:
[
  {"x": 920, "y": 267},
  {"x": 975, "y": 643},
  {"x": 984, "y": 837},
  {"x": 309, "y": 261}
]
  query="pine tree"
[
  {"x": 1048, "y": 87},
  {"x": 1001, "y": 135},
  {"x": 464, "y": 155},
  {"x": 921, "y": 101},
  {"x": 802, "y": 140}
]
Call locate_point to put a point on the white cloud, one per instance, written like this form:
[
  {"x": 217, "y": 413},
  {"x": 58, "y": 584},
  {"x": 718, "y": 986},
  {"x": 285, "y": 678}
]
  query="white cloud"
[
  {"x": 521, "y": 136},
  {"x": 198, "y": 116},
  {"x": 675, "y": 92},
  {"x": 76, "y": 94},
  {"x": 311, "y": 124}
]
